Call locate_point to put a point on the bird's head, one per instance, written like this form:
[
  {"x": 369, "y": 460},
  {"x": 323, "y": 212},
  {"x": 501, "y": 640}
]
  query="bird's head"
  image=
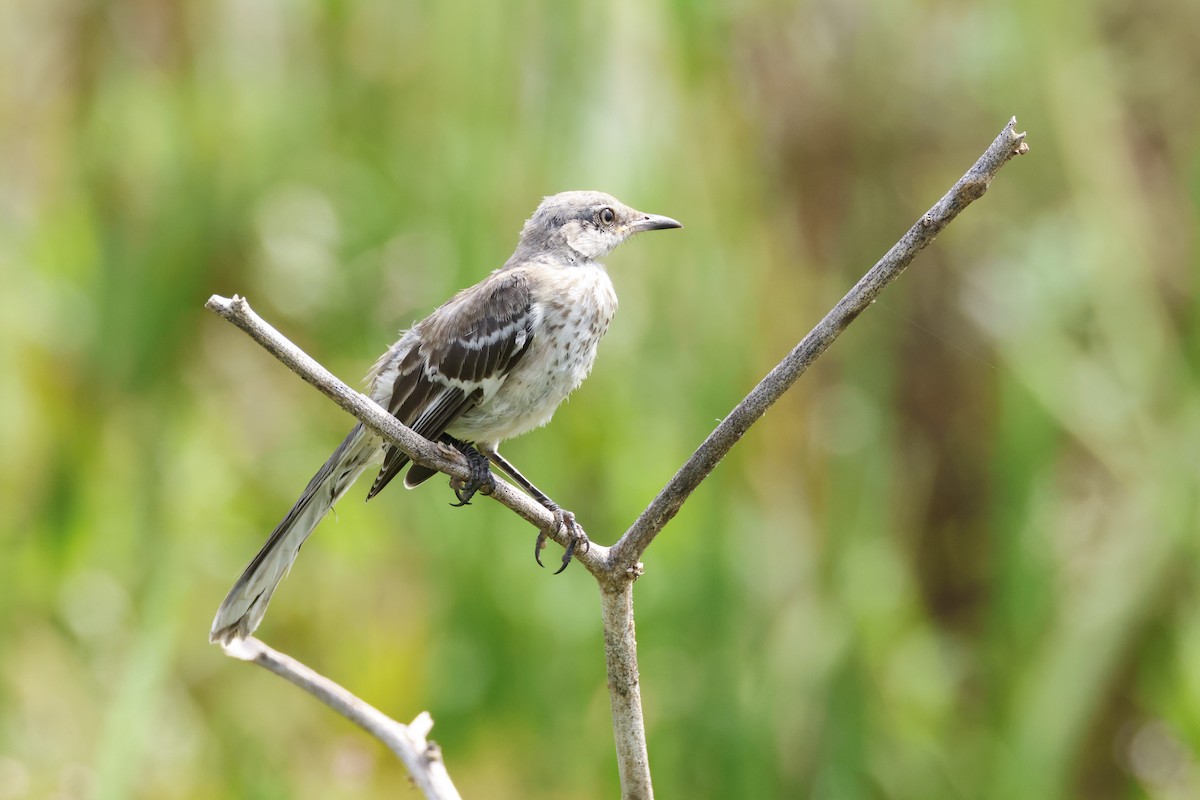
[{"x": 588, "y": 224}]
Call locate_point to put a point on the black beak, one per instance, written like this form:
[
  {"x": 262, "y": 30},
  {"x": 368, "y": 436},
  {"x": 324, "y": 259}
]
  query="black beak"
[{"x": 652, "y": 222}]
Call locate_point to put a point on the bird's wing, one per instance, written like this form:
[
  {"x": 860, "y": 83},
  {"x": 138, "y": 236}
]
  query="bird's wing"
[{"x": 465, "y": 350}]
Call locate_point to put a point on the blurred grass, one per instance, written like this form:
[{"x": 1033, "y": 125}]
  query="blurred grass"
[{"x": 959, "y": 560}]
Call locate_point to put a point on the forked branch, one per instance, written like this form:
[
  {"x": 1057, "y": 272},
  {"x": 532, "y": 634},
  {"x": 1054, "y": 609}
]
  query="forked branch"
[{"x": 615, "y": 568}]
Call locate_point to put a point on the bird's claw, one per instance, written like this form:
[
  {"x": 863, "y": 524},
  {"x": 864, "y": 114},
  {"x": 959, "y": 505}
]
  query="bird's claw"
[
  {"x": 563, "y": 520},
  {"x": 481, "y": 479}
]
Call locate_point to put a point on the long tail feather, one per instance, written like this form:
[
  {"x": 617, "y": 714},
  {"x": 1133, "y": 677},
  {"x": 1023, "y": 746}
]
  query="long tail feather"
[{"x": 246, "y": 603}]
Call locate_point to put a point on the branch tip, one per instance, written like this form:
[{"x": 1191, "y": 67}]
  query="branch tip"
[
  {"x": 422, "y": 725},
  {"x": 242, "y": 649}
]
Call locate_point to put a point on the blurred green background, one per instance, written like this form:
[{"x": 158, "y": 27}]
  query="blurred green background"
[{"x": 957, "y": 561}]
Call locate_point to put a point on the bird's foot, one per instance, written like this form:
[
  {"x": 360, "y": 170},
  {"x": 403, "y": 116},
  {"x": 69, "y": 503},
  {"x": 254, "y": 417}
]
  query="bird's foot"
[
  {"x": 481, "y": 479},
  {"x": 576, "y": 538}
]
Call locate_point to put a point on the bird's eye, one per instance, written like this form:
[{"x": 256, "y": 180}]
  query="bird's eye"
[{"x": 608, "y": 216}]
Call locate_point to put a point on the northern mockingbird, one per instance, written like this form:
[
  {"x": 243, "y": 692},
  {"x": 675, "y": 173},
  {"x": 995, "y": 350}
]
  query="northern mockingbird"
[{"x": 491, "y": 363}]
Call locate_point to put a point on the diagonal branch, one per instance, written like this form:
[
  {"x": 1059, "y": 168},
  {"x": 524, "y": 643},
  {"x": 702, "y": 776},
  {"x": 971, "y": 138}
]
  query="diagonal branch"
[
  {"x": 422, "y": 451},
  {"x": 423, "y": 758},
  {"x": 970, "y": 187}
]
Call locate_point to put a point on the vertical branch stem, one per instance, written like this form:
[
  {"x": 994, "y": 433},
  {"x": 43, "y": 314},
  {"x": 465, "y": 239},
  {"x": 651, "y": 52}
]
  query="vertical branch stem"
[{"x": 625, "y": 696}]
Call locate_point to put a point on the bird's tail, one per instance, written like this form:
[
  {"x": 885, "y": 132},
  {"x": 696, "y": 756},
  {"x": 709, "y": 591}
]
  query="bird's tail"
[{"x": 246, "y": 603}]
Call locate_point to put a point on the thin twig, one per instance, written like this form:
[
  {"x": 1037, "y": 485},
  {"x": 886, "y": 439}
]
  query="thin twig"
[
  {"x": 423, "y": 758},
  {"x": 626, "y": 552}
]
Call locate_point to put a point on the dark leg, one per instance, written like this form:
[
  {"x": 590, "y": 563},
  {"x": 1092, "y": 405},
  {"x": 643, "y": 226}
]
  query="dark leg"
[
  {"x": 481, "y": 477},
  {"x": 562, "y": 518}
]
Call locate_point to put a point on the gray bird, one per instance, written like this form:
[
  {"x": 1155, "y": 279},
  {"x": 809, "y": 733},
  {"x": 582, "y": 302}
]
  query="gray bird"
[{"x": 491, "y": 363}]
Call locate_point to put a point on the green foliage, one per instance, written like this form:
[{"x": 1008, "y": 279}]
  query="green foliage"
[{"x": 958, "y": 560}]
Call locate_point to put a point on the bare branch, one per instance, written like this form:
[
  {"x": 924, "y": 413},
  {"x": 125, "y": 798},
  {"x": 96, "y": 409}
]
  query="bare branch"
[
  {"x": 624, "y": 692},
  {"x": 237, "y": 310},
  {"x": 626, "y": 552},
  {"x": 615, "y": 568},
  {"x": 423, "y": 758}
]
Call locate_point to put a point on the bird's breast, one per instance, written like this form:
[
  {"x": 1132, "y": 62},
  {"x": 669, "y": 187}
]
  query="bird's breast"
[{"x": 573, "y": 308}]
